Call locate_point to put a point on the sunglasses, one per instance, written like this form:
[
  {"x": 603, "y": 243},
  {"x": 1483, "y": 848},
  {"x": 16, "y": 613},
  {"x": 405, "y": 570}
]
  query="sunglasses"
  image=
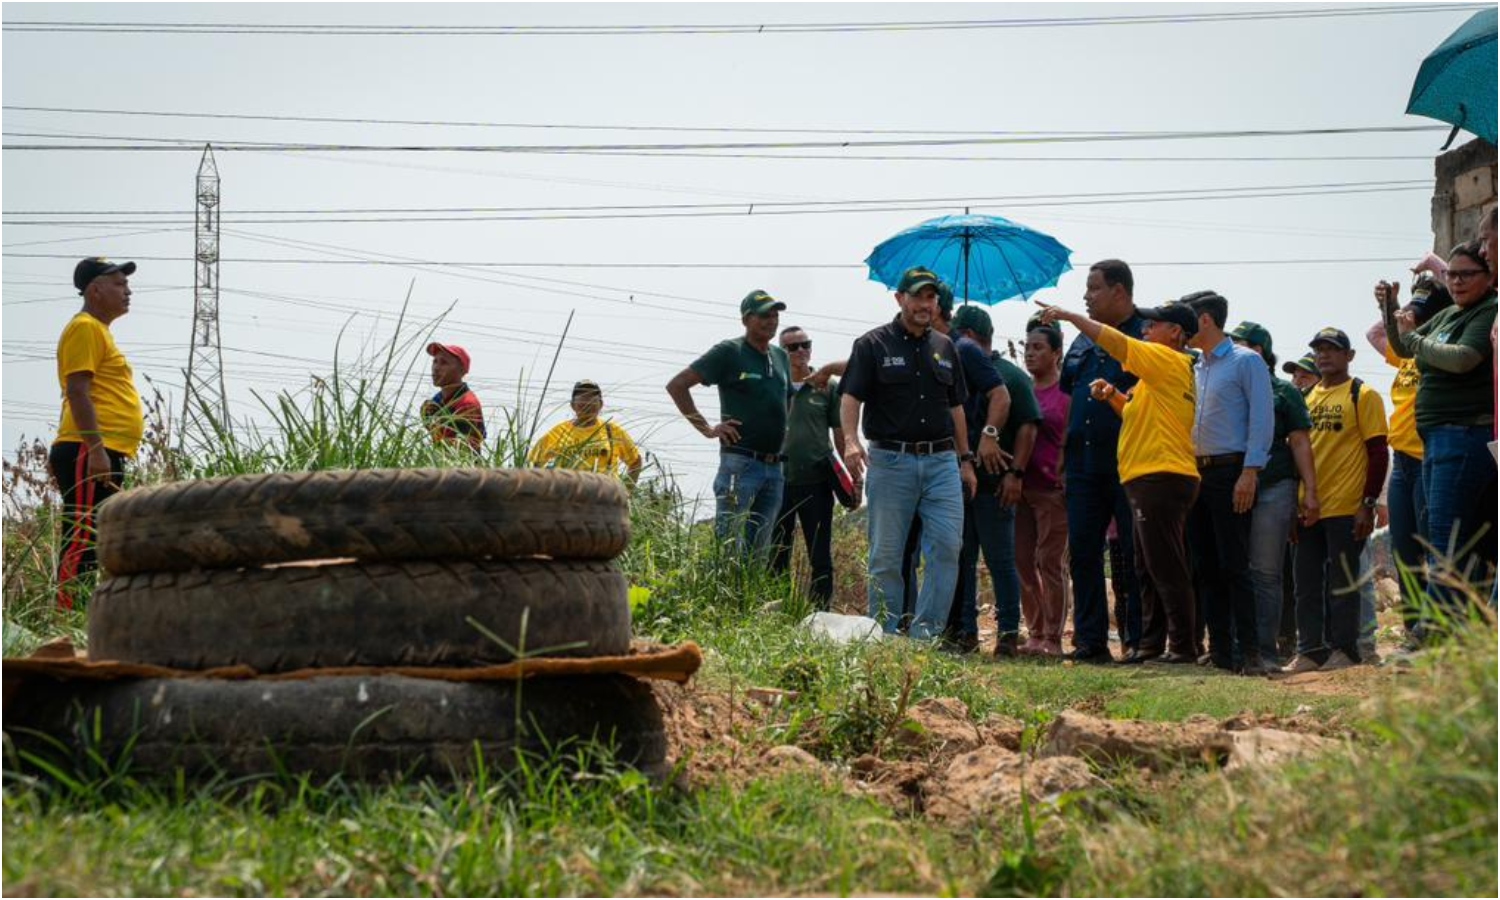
[{"x": 798, "y": 345}]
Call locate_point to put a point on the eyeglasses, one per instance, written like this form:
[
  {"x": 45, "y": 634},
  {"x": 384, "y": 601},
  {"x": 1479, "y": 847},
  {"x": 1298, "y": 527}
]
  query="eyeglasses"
[
  {"x": 797, "y": 345},
  {"x": 1459, "y": 275}
]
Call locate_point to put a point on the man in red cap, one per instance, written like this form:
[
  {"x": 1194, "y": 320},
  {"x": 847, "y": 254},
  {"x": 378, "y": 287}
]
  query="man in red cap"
[
  {"x": 454, "y": 414},
  {"x": 102, "y": 423}
]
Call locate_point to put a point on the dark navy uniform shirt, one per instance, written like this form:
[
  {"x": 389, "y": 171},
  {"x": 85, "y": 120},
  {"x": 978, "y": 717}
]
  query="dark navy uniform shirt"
[
  {"x": 909, "y": 385},
  {"x": 1092, "y": 444}
]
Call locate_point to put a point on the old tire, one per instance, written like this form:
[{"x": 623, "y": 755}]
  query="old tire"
[
  {"x": 386, "y": 726},
  {"x": 374, "y": 614},
  {"x": 370, "y": 515}
]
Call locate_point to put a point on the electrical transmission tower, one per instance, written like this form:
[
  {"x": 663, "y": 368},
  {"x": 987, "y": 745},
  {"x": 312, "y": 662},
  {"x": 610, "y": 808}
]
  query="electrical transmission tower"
[{"x": 205, "y": 409}]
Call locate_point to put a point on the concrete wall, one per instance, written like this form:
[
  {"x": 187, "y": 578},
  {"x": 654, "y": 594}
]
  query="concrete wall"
[{"x": 1464, "y": 192}]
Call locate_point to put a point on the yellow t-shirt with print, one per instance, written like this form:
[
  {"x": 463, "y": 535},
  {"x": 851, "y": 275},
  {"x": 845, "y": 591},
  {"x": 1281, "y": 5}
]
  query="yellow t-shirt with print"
[
  {"x": 86, "y": 345},
  {"x": 1156, "y": 432},
  {"x": 1338, "y": 443},
  {"x": 601, "y": 447},
  {"x": 1404, "y": 437}
]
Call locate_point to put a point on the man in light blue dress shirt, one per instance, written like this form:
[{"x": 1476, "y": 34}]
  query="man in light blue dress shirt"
[{"x": 1233, "y": 425}]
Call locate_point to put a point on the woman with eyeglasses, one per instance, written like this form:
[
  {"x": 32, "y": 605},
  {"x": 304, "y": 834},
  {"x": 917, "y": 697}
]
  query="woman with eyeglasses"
[{"x": 1455, "y": 415}]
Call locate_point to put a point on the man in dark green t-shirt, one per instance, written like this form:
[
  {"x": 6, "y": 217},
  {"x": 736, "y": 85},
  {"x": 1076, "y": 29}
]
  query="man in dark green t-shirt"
[
  {"x": 808, "y": 495},
  {"x": 990, "y": 515},
  {"x": 754, "y": 381}
]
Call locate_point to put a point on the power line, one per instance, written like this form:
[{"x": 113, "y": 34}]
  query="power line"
[
  {"x": 145, "y": 144},
  {"x": 478, "y": 30},
  {"x": 780, "y": 208}
]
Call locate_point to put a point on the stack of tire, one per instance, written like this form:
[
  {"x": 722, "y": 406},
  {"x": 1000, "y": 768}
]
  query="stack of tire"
[{"x": 304, "y": 572}]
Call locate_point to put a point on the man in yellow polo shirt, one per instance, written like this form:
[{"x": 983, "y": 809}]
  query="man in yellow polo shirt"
[
  {"x": 102, "y": 421},
  {"x": 1405, "y": 497},
  {"x": 1350, "y": 461},
  {"x": 585, "y": 442}
]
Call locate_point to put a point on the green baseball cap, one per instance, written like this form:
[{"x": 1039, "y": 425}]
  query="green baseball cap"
[
  {"x": 915, "y": 279},
  {"x": 1306, "y": 364},
  {"x": 971, "y": 318},
  {"x": 1331, "y": 335},
  {"x": 1253, "y": 333},
  {"x": 758, "y": 303}
]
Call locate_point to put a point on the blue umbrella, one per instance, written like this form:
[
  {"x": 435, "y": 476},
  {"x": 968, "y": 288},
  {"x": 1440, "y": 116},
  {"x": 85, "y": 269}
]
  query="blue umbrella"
[
  {"x": 1456, "y": 83},
  {"x": 983, "y": 258}
]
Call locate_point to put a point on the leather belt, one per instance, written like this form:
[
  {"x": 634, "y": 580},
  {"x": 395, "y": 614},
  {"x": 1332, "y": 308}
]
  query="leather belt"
[
  {"x": 767, "y": 458},
  {"x": 916, "y": 448},
  {"x": 1223, "y": 459}
]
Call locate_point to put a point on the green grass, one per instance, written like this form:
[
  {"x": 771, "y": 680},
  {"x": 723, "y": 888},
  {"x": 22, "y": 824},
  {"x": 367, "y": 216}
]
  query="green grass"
[{"x": 1406, "y": 807}]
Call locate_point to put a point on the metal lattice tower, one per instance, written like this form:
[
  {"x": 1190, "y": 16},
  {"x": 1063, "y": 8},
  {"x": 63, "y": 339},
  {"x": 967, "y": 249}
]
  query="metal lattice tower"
[{"x": 205, "y": 409}]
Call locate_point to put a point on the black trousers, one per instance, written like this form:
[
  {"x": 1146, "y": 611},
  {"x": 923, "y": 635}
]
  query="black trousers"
[
  {"x": 1160, "y": 504},
  {"x": 812, "y": 505},
  {"x": 81, "y": 497},
  {"x": 1219, "y": 540},
  {"x": 1327, "y": 564}
]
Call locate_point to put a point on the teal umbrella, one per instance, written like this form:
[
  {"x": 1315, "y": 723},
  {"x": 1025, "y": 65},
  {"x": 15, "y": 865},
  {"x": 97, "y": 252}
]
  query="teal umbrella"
[
  {"x": 1456, "y": 83},
  {"x": 985, "y": 259}
]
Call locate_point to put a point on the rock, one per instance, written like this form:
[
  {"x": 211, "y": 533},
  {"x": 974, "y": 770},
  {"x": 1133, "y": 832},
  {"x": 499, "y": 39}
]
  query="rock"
[
  {"x": 1272, "y": 747},
  {"x": 938, "y": 724},
  {"x": 792, "y": 757},
  {"x": 1005, "y": 731},
  {"x": 992, "y": 778},
  {"x": 1155, "y": 745},
  {"x": 770, "y": 696}
]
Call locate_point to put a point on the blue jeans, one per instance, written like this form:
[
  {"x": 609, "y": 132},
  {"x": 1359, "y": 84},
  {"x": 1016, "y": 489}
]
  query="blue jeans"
[
  {"x": 897, "y": 486},
  {"x": 1407, "y": 502},
  {"x": 990, "y": 526},
  {"x": 747, "y": 497},
  {"x": 1270, "y": 529},
  {"x": 1093, "y": 499},
  {"x": 1458, "y": 477}
]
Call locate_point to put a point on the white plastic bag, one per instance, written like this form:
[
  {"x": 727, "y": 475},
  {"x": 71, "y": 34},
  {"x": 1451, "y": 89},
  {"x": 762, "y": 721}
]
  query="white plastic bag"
[{"x": 843, "y": 629}]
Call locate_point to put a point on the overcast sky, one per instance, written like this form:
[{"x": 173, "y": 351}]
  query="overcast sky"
[{"x": 652, "y": 292}]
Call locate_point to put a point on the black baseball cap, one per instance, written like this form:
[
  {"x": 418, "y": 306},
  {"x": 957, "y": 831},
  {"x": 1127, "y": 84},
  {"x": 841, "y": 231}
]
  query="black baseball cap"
[
  {"x": 1332, "y": 336},
  {"x": 89, "y": 269},
  {"x": 1176, "y": 313}
]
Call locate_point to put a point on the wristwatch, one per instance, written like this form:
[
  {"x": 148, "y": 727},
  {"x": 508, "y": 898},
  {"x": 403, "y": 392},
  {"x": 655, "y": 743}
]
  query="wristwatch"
[
  {"x": 1369, "y": 502},
  {"x": 966, "y": 457},
  {"x": 991, "y": 432},
  {"x": 1019, "y": 473}
]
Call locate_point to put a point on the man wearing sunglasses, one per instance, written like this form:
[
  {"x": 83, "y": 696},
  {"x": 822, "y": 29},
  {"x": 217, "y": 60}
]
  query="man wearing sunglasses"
[
  {"x": 808, "y": 494},
  {"x": 754, "y": 381}
]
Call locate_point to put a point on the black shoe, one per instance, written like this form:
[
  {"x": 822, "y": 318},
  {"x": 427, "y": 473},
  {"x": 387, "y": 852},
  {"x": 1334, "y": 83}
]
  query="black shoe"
[
  {"x": 1138, "y": 656},
  {"x": 1094, "y": 656},
  {"x": 1177, "y": 659},
  {"x": 1005, "y": 644},
  {"x": 1254, "y": 668}
]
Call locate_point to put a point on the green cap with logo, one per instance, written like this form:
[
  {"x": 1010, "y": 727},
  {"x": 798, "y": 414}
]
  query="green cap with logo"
[
  {"x": 1254, "y": 334},
  {"x": 758, "y": 303},
  {"x": 915, "y": 279},
  {"x": 972, "y": 318},
  {"x": 1306, "y": 364}
]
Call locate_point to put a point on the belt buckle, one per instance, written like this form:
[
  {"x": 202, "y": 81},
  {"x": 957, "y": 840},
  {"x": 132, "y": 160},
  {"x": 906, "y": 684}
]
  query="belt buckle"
[{"x": 919, "y": 445}]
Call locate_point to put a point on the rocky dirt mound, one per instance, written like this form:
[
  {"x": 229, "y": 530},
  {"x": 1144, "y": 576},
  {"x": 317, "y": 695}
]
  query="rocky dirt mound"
[{"x": 940, "y": 763}]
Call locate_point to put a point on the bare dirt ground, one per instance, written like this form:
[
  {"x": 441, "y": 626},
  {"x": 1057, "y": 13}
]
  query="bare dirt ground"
[{"x": 941, "y": 764}]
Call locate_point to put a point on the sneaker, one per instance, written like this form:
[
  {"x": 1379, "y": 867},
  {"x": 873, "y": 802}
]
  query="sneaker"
[
  {"x": 1369, "y": 656},
  {"x": 1005, "y": 644},
  {"x": 1254, "y": 668},
  {"x": 1300, "y": 664},
  {"x": 1338, "y": 659}
]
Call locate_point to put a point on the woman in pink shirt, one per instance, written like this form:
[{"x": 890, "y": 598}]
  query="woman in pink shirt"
[{"x": 1041, "y": 517}]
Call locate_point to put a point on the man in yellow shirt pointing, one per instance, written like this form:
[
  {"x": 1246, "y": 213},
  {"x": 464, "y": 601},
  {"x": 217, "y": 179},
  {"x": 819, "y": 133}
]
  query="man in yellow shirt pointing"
[{"x": 587, "y": 443}]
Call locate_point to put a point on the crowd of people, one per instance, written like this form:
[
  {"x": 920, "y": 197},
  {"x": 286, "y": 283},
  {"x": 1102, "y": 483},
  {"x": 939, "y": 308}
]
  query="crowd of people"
[{"x": 1233, "y": 508}]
